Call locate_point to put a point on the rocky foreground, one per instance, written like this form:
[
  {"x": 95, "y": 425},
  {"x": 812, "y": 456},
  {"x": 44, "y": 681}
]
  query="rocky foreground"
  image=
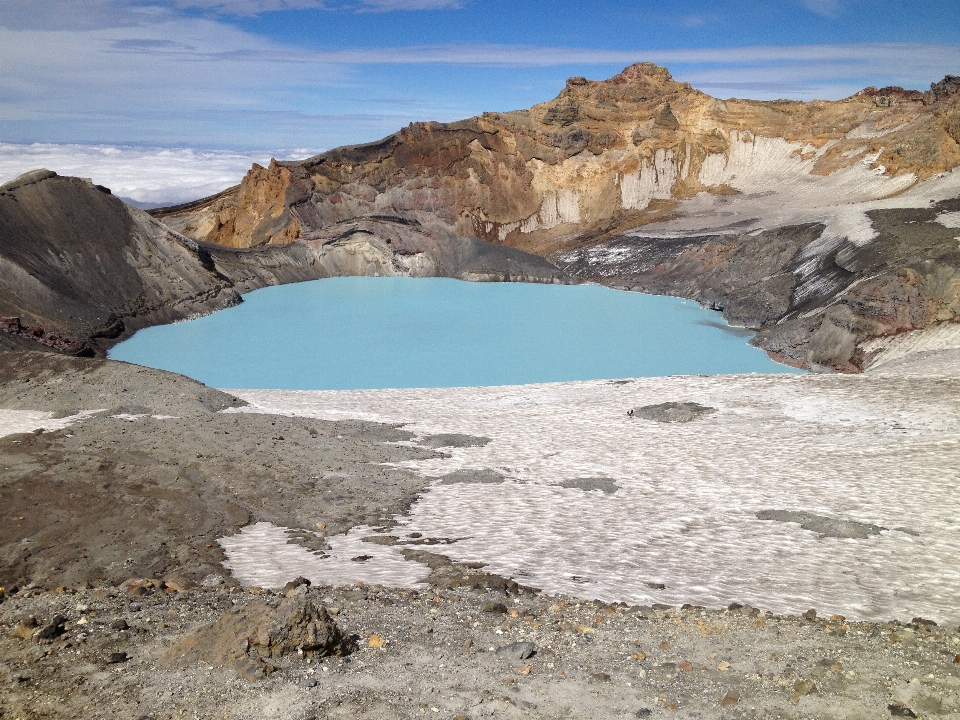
[
  {"x": 115, "y": 602},
  {"x": 469, "y": 646}
]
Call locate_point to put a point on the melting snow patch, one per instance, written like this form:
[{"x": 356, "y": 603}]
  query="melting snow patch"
[
  {"x": 263, "y": 555},
  {"x": 13, "y": 422},
  {"x": 949, "y": 219}
]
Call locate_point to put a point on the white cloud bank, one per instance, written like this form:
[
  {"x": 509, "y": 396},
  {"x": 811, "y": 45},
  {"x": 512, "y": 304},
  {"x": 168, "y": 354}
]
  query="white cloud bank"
[{"x": 155, "y": 176}]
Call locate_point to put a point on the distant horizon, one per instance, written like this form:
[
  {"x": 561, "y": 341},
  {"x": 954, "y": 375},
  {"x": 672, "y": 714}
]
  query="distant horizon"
[
  {"x": 254, "y": 74},
  {"x": 150, "y": 174}
]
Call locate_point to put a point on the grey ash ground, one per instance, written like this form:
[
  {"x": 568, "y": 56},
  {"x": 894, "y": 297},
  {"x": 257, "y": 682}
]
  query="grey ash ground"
[{"x": 459, "y": 653}]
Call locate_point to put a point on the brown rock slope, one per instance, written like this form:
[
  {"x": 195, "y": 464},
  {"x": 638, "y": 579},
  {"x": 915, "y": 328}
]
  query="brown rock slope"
[
  {"x": 80, "y": 270},
  {"x": 642, "y": 161},
  {"x": 597, "y": 157}
]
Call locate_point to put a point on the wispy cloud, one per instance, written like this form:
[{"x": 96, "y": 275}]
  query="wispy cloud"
[
  {"x": 249, "y": 7},
  {"x": 389, "y": 5},
  {"x": 257, "y": 7},
  {"x": 827, "y": 8}
]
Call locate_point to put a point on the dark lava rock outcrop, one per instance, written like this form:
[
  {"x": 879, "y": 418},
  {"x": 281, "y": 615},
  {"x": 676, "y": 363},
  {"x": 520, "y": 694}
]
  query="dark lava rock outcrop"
[
  {"x": 79, "y": 268},
  {"x": 672, "y": 412}
]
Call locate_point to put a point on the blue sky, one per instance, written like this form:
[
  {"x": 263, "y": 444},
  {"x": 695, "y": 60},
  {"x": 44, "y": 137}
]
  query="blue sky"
[{"x": 313, "y": 74}]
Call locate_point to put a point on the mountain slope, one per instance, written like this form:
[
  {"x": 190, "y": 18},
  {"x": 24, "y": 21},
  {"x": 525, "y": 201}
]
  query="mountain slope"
[{"x": 80, "y": 270}]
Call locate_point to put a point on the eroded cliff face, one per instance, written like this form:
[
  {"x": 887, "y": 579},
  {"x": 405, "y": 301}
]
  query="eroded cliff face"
[
  {"x": 619, "y": 153},
  {"x": 80, "y": 270},
  {"x": 641, "y": 161}
]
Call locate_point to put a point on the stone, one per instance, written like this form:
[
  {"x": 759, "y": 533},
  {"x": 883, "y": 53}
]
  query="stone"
[
  {"x": 117, "y": 657},
  {"x": 672, "y": 412},
  {"x": 822, "y": 525},
  {"x": 897, "y": 710},
  {"x": 454, "y": 440},
  {"x": 51, "y": 631},
  {"x": 295, "y": 584},
  {"x": 666, "y": 119},
  {"x": 120, "y": 624},
  {"x": 494, "y": 607},
  {"x": 518, "y": 651},
  {"x": 307, "y": 683},
  {"x": 643, "y": 713},
  {"x": 605, "y": 485},
  {"x": 731, "y": 698},
  {"x": 483, "y": 476},
  {"x": 376, "y": 641},
  {"x": 25, "y": 629},
  {"x": 245, "y": 637},
  {"x": 601, "y": 677}
]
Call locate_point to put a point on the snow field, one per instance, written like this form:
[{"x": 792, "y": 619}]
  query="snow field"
[{"x": 877, "y": 450}]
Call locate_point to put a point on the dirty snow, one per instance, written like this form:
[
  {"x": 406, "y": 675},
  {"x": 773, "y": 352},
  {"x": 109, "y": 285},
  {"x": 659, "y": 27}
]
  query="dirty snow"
[
  {"x": 870, "y": 449},
  {"x": 13, "y": 422},
  {"x": 263, "y": 555}
]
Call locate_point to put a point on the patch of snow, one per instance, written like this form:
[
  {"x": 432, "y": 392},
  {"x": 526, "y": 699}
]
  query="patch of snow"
[
  {"x": 261, "y": 555},
  {"x": 13, "y": 422},
  {"x": 868, "y": 130},
  {"x": 945, "y": 336},
  {"x": 875, "y": 450},
  {"x": 949, "y": 219}
]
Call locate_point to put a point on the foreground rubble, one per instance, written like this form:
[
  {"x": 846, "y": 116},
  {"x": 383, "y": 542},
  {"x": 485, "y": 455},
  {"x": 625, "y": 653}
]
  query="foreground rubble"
[{"x": 146, "y": 650}]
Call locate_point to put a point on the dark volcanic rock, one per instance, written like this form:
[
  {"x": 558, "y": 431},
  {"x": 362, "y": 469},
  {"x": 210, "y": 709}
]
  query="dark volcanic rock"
[
  {"x": 606, "y": 485},
  {"x": 824, "y": 526},
  {"x": 807, "y": 311},
  {"x": 79, "y": 269},
  {"x": 486, "y": 476},
  {"x": 672, "y": 412},
  {"x": 453, "y": 440}
]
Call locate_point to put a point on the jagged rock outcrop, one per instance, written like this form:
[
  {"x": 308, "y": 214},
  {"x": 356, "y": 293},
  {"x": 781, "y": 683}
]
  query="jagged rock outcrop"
[
  {"x": 247, "y": 638},
  {"x": 748, "y": 203},
  {"x": 80, "y": 270}
]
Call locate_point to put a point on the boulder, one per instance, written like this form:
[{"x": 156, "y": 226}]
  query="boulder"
[{"x": 247, "y": 637}]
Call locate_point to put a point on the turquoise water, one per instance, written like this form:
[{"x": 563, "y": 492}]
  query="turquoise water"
[{"x": 359, "y": 332}]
